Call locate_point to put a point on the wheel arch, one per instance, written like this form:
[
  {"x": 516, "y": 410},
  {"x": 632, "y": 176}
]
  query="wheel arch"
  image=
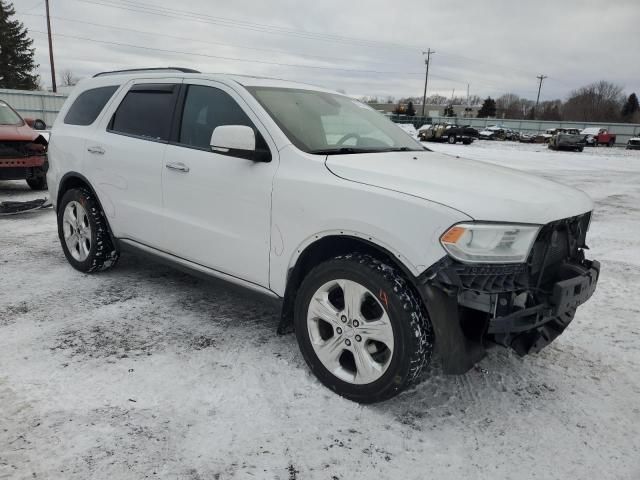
[
  {"x": 76, "y": 180},
  {"x": 323, "y": 248}
]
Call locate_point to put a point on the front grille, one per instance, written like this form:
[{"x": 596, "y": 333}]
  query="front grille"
[{"x": 14, "y": 149}]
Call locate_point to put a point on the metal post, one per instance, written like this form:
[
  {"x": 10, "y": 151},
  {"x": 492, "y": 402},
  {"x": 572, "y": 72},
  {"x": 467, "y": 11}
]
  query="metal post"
[
  {"x": 426, "y": 79},
  {"x": 53, "y": 68}
]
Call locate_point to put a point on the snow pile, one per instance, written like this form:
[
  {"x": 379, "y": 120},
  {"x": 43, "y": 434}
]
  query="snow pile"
[
  {"x": 410, "y": 129},
  {"x": 144, "y": 371}
]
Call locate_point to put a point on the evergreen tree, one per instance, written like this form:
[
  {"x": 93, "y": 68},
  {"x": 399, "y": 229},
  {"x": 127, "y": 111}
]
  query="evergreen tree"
[
  {"x": 630, "y": 107},
  {"x": 488, "y": 108},
  {"x": 410, "y": 110},
  {"x": 17, "y": 67}
]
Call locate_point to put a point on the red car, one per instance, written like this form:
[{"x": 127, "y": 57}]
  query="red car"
[
  {"x": 23, "y": 150},
  {"x": 599, "y": 136}
]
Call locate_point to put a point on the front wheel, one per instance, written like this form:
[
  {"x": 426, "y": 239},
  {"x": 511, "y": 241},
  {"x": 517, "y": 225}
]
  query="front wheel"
[{"x": 361, "y": 328}]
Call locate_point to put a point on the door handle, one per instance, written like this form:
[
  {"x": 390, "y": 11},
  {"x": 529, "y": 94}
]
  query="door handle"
[
  {"x": 179, "y": 166},
  {"x": 96, "y": 150}
]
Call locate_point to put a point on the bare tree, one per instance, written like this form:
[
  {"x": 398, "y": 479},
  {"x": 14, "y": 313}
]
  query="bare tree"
[
  {"x": 68, "y": 79},
  {"x": 597, "y": 102},
  {"x": 508, "y": 106}
]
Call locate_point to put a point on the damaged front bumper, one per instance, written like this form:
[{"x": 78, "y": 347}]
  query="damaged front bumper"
[{"x": 521, "y": 306}]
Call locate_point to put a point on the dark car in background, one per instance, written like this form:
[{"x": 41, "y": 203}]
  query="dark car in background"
[
  {"x": 448, "y": 132},
  {"x": 23, "y": 150}
]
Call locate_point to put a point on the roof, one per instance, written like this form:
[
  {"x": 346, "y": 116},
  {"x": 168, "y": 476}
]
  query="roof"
[{"x": 108, "y": 78}]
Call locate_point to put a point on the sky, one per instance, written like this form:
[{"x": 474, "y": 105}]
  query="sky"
[{"x": 371, "y": 48}]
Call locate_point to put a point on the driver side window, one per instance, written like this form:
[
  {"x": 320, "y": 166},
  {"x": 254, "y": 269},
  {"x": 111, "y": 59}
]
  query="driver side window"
[{"x": 206, "y": 108}]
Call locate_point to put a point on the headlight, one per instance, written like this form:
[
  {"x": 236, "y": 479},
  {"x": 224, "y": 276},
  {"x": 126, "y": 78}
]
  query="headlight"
[{"x": 489, "y": 243}]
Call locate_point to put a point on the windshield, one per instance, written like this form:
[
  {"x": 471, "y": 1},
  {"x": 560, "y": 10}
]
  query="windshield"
[
  {"x": 8, "y": 116},
  {"x": 326, "y": 123}
]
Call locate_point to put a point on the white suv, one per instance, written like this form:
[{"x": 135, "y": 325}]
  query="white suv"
[{"x": 378, "y": 249}]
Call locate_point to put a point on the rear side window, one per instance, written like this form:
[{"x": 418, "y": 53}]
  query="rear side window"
[
  {"x": 206, "y": 108},
  {"x": 88, "y": 105},
  {"x": 146, "y": 111}
]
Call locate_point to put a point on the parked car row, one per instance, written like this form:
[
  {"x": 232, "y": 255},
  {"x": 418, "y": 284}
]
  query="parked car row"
[{"x": 559, "y": 138}]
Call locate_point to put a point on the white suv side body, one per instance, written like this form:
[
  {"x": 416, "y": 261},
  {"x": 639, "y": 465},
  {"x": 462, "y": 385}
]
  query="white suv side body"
[{"x": 375, "y": 245}]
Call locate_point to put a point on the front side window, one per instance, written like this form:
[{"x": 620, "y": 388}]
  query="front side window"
[
  {"x": 146, "y": 111},
  {"x": 8, "y": 116},
  {"x": 326, "y": 123},
  {"x": 206, "y": 108},
  {"x": 88, "y": 105}
]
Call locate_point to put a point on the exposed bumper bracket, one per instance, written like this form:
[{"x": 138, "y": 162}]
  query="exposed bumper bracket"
[{"x": 457, "y": 352}]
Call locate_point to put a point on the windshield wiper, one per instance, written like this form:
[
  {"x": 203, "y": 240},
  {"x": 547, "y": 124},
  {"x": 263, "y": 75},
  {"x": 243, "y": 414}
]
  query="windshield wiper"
[{"x": 342, "y": 151}]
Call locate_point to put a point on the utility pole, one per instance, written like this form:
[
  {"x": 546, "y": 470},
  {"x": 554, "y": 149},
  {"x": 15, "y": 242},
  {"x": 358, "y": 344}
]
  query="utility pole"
[
  {"x": 53, "y": 68},
  {"x": 426, "y": 78},
  {"x": 541, "y": 78}
]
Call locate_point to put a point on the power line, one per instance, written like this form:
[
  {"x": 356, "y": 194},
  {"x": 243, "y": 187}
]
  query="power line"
[
  {"x": 200, "y": 17},
  {"x": 266, "y": 28},
  {"x": 221, "y": 57},
  {"x": 207, "y": 42},
  {"x": 146, "y": 8},
  {"x": 36, "y": 5}
]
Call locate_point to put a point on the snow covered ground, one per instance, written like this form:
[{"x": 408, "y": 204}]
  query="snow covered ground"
[{"x": 145, "y": 372}]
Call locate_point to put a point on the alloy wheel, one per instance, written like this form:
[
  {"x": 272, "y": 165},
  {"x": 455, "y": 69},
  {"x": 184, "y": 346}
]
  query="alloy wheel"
[
  {"x": 77, "y": 231},
  {"x": 350, "y": 331}
]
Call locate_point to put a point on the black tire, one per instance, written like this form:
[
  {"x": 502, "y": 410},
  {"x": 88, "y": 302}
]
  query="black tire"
[
  {"x": 412, "y": 330},
  {"x": 451, "y": 140},
  {"x": 611, "y": 143},
  {"x": 466, "y": 142},
  {"x": 38, "y": 181},
  {"x": 580, "y": 149},
  {"x": 102, "y": 254}
]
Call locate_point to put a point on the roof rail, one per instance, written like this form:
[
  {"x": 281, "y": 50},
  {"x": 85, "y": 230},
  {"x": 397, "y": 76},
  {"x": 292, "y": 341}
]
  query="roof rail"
[{"x": 156, "y": 69}]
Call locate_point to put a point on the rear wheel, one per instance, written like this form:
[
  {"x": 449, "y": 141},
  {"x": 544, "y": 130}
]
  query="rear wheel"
[
  {"x": 611, "y": 143},
  {"x": 361, "y": 329},
  {"x": 83, "y": 232},
  {"x": 452, "y": 140}
]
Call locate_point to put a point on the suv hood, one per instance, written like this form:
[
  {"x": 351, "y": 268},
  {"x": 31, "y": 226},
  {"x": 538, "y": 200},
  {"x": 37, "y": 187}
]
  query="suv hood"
[{"x": 480, "y": 190}]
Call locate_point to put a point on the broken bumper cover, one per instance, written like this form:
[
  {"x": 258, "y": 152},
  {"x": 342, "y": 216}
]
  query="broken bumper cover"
[
  {"x": 530, "y": 329},
  {"x": 527, "y": 328}
]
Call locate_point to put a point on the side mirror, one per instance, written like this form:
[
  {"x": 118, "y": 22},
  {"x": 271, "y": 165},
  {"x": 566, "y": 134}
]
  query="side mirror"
[
  {"x": 238, "y": 141},
  {"x": 35, "y": 123}
]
